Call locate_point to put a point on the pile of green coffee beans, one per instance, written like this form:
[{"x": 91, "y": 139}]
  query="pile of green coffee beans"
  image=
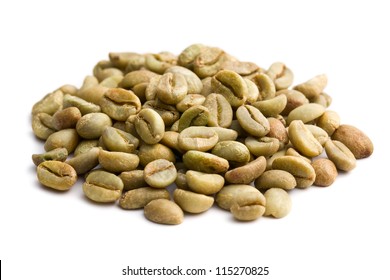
[{"x": 171, "y": 133}]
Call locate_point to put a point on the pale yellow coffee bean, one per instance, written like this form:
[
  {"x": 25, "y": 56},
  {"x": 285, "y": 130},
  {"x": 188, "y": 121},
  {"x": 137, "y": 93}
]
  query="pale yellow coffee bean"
[
  {"x": 164, "y": 211},
  {"x": 275, "y": 179},
  {"x": 313, "y": 87},
  {"x": 329, "y": 121},
  {"x": 139, "y": 198},
  {"x": 204, "y": 183},
  {"x": 341, "y": 156},
  {"x": 278, "y": 203},
  {"x": 303, "y": 140},
  {"x": 306, "y": 113},
  {"x": 192, "y": 202}
]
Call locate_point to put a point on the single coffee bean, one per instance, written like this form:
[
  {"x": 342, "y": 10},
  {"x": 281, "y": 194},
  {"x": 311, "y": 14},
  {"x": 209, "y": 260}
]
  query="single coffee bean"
[
  {"x": 313, "y": 87},
  {"x": 306, "y": 113},
  {"x": 160, "y": 62},
  {"x": 253, "y": 91},
  {"x": 190, "y": 100},
  {"x": 92, "y": 125},
  {"x": 133, "y": 179},
  {"x": 84, "y": 106},
  {"x": 329, "y": 121},
  {"x": 319, "y": 134},
  {"x": 148, "y": 153},
  {"x": 231, "y": 85},
  {"x": 139, "y": 198},
  {"x": 293, "y": 152},
  {"x": 247, "y": 173},
  {"x": 221, "y": 113},
  {"x": 85, "y": 162},
  {"x": 102, "y": 186},
  {"x": 225, "y": 134},
  {"x": 119, "y": 103},
  {"x": 265, "y": 85},
  {"x": 58, "y": 154},
  {"x": 117, "y": 140},
  {"x": 160, "y": 173},
  {"x": 234, "y": 152},
  {"x": 340, "y": 155},
  {"x": 205, "y": 162},
  {"x": 164, "y": 211},
  {"x": 189, "y": 54},
  {"x": 264, "y": 146},
  {"x": 136, "y": 77},
  {"x": 252, "y": 120},
  {"x": 209, "y": 61},
  {"x": 181, "y": 180},
  {"x": 302, "y": 171},
  {"x": 49, "y": 104},
  {"x": 242, "y": 68},
  {"x": 278, "y": 203},
  {"x": 66, "y": 118},
  {"x": 303, "y": 140},
  {"x": 85, "y": 146},
  {"x": 172, "y": 88},
  {"x": 277, "y": 130},
  {"x": 42, "y": 125},
  {"x": 194, "y": 84},
  {"x": 195, "y": 116},
  {"x": 247, "y": 212},
  {"x": 200, "y": 138},
  {"x": 204, "y": 183},
  {"x": 56, "y": 175},
  {"x": 192, "y": 202},
  {"x": 326, "y": 172},
  {"x": 281, "y": 75},
  {"x": 66, "y": 138},
  {"x": 117, "y": 162},
  {"x": 275, "y": 179},
  {"x": 294, "y": 99},
  {"x": 356, "y": 141},
  {"x": 150, "y": 126},
  {"x": 272, "y": 107},
  {"x": 168, "y": 113}
]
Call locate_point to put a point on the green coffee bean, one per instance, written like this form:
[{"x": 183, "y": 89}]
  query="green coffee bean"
[
  {"x": 84, "y": 107},
  {"x": 306, "y": 113},
  {"x": 92, "y": 125},
  {"x": 221, "y": 113},
  {"x": 313, "y": 87},
  {"x": 231, "y": 85},
  {"x": 58, "y": 154},
  {"x": 209, "y": 61},
  {"x": 265, "y": 85},
  {"x": 85, "y": 146},
  {"x": 264, "y": 146},
  {"x": 278, "y": 203},
  {"x": 275, "y": 179},
  {"x": 102, "y": 186},
  {"x": 225, "y": 134},
  {"x": 329, "y": 121},
  {"x": 252, "y": 120},
  {"x": 197, "y": 115},
  {"x": 189, "y": 54},
  {"x": 326, "y": 172},
  {"x": 341, "y": 156},
  {"x": 247, "y": 173},
  {"x": 160, "y": 62},
  {"x": 119, "y": 103},
  {"x": 200, "y": 138},
  {"x": 150, "y": 126},
  {"x": 303, "y": 140},
  {"x": 139, "y": 198},
  {"x": 85, "y": 162},
  {"x": 66, "y": 118},
  {"x": 163, "y": 211},
  {"x": 49, "y": 104},
  {"x": 281, "y": 75},
  {"x": 66, "y": 138},
  {"x": 56, "y": 175},
  {"x": 192, "y": 202},
  {"x": 133, "y": 179},
  {"x": 148, "y": 153},
  {"x": 160, "y": 173},
  {"x": 205, "y": 162},
  {"x": 273, "y": 106},
  {"x": 294, "y": 99},
  {"x": 194, "y": 84},
  {"x": 190, "y": 100},
  {"x": 117, "y": 140},
  {"x": 234, "y": 152},
  {"x": 204, "y": 183},
  {"x": 42, "y": 125},
  {"x": 172, "y": 88},
  {"x": 117, "y": 162}
]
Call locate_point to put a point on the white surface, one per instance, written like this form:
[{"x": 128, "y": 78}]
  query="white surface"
[{"x": 337, "y": 232}]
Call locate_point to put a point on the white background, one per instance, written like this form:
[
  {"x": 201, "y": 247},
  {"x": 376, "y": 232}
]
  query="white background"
[{"x": 337, "y": 232}]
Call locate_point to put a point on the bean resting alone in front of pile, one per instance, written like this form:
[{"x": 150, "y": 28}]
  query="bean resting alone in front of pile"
[{"x": 176, "y": 134}]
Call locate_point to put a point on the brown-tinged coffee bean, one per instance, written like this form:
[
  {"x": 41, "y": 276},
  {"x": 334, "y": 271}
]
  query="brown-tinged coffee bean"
[
  {"x": 243, "y": 195},
  {"x": 92, "y": 125},
  {"x": 273, "y": 106},
  {"x": 205, "y": 162},
  {"x": 277, "y": 130},
  {"x": 265, "y": 85},
  {"x": 66, "y": 118},
  {"x": 281, "y": 75},
  {"x": 302, "y": 171},
  {"x": 294, "y": 99},
  {"x": 150, "y": 126},
  {"x": 329, "y": 121},
  {"x": 58, "y": 154},
  {"x": 42, "y": 125},
  {"x": 194, "y": 84},
  {"x": 171, "y": 88},
  {"x": 84, "y": 106},
  {"x": 56, "y": 175},
  {"x": 275, "y": 179},
  {"x": 85, "y": 146},
  {"x": 49, "y": 104},
  {"x": 355, "y": 139},
  {"x": 326, "y": 172},
  {"x": 164, "y": 211},
  {"x": 264, "y": 146},
  {"x": 313, "y": 87},
  {"x": 306, "y": 113},
  {"x": 117, "y": 162},
  {"x": 85, "y": 162},
  {"x": 303, "y": 140},
  {"x": 102, "y": 186},
  {"x": 247, "y": 212},
  {"x": 148, "y": 153},
  {"x": 117, "y": 140},
  {"x": 181, "y": 180},
  {"x": 160, "y": 173},
  {"x": 190, "y": 100},
  {"x": 168, "y": 113},
  {"x": 133, "y": 179},
  {"x": 197, "y": 115},
  {"x": 247, "y": 173},
  {"x": 340, "y": 155},
  {"x": 221, "y": 113},
  {"x": 66, "y": 138},
  {"x": 139, "y": 198},
  {"x": 231, "y": 85},
  {"x": 234, "y": 152},
  {"x": 199, "y": 138},
  {"x": 252, "y": 120},
  {"x": 204, "y": 183},
  {"x": 278, "y": 203},
  {"x": 225, "y": 134},
  {"x": 119, "y": 103},
  {"x": 192, "y": 202}
]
